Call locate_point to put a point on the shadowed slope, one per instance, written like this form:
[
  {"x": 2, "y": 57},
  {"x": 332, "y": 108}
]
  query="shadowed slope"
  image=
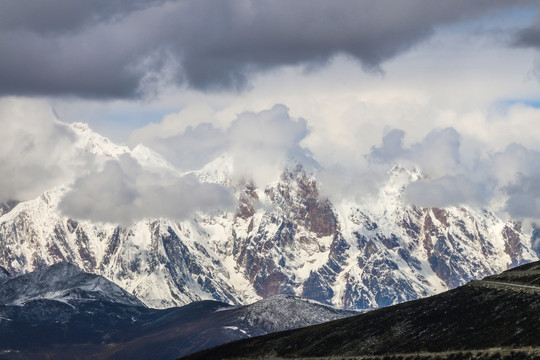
[
  {"x": 61, "y": 312},
  {"x": 480, "y": 315}
]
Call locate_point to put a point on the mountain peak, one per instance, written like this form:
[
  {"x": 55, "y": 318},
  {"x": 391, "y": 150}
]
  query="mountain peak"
[
  {"x": 150, "y": 159},
  {"x": 283, "y": 311},
  {"x": 284, "y": 236},
  {"x": 96, "y": 144},
  {"x": 218, "y": 171},
  {"x": 63, "y": 282},
  {"x": 398, "y": 170}
]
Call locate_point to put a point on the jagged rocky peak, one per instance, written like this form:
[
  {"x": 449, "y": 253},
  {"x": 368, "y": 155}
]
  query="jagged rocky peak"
[
  {"x": 64, "y": 282},
  {"x": 295, "y": 229},
  {"x": 298, "y": 194},
  {"x": 399, "y": 177},
  {"x": 412, "y": 172}
]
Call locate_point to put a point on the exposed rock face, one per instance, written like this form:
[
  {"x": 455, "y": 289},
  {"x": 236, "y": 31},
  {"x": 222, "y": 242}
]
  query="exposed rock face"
[{"x": 284, "y": 238}]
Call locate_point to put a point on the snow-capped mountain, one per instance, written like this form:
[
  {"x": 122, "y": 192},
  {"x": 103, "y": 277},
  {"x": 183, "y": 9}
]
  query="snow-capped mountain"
[
  {"x": 63, "y": 282},
  {"x": 285, "y": 238},
  {"x": 283, "y": 312}
]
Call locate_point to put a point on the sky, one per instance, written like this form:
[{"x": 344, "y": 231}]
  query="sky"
[{"x": 351, "y": 88}]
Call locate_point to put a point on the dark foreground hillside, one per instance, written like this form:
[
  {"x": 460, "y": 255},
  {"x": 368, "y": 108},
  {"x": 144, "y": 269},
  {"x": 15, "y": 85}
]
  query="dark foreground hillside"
[
  {"x": 499, "y": 314},
  {"x": 61, "y": 312}
]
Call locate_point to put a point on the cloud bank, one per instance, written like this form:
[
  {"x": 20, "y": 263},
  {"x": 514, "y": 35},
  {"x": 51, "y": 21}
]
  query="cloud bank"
[
  {"x": 38, "y": 152},
  {"x": 123, "y": 49},
  {"x": 459, "y": 168},
  {"x": 258, "y": 142},
  {"x": 506, "y": 180},
  {"x": 123, "y": 192}
]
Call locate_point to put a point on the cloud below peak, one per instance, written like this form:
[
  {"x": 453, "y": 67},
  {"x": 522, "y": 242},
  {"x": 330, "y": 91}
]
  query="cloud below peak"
[{"x": 124, "y": 192}]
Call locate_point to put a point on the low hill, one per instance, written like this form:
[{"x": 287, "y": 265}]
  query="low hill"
[
  {"x": 62, "y": 312},
  {"x": 501, "y": 312}
]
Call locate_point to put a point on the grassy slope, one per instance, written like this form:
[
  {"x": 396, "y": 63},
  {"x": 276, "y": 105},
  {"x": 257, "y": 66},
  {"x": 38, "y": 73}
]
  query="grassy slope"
[{"x": 478, "y": 315}]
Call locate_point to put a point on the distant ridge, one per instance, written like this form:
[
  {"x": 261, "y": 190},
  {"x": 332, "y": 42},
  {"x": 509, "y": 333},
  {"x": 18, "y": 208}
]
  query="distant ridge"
[
  {"x": 62, "y": 312},
  {"x": 64, "y": 282},
  {"x": 498, "y": 312}
]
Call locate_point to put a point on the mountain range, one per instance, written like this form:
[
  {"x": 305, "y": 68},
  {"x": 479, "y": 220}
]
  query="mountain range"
[
  {"x": 62, "y": 312},
  {"x": 283, "y": 238}
]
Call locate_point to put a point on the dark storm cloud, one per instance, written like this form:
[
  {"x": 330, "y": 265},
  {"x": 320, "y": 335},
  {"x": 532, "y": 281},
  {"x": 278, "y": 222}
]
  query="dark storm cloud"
[
  {"x": 124, "y": 48},
  {"x": 529, "y": 37},
  {"x": 55, "y": 47},
  {"x": 58, "y": 16}
]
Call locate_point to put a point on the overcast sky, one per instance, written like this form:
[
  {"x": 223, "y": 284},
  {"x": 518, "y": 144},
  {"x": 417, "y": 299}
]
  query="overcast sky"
[{"x": 449, "y": 87}]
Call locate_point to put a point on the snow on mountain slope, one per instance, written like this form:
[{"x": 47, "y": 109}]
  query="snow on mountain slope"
[
  {"x": 96, "y": 144},
  {"x": 285, "y": 238},
  {"x": 60, "y": 311},
  {"x": 149, "y": 259},
  {"x": 63, "y": 282},
  {"x": 284, "y": 312}
]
